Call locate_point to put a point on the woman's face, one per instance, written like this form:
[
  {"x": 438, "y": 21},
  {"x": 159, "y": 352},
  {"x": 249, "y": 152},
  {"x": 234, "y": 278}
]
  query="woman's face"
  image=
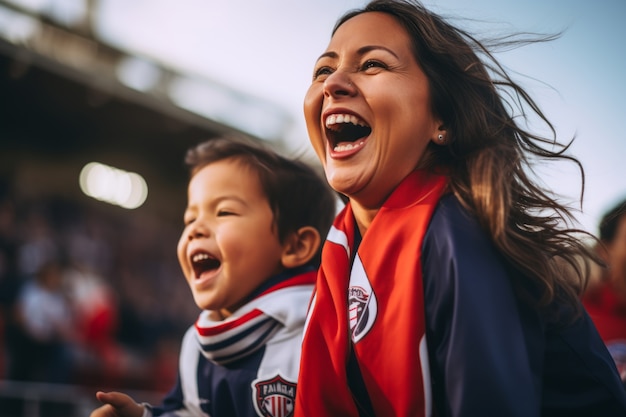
[{"x": 368, "y": 109}]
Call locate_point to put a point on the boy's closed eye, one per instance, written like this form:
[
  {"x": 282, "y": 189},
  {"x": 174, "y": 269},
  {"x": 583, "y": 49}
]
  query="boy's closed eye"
[{"x": 188, "y": 220}]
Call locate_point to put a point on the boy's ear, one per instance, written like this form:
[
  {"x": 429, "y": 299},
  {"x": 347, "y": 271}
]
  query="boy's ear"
[{"x": 300, "y": 247}]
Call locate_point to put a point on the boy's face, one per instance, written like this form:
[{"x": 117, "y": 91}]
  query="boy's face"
[{"x": 230, "y": 244}]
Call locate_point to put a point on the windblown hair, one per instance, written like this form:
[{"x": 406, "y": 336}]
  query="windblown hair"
[
  {"x": 298, "y": 196},
  {"x": 488, "y": 155}
]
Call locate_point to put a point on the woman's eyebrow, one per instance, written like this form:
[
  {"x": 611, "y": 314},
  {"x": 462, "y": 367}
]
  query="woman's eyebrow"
[
  {"x": 328, "y": 54},
  {"x": 365, "y": 49},
  {"x": 361, "y": 51}
]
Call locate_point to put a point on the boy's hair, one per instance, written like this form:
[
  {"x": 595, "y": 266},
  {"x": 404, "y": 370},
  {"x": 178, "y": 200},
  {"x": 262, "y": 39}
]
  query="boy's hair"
[
  {"x": 297, "y": 195},
  {"x": 610, "y": 221}
]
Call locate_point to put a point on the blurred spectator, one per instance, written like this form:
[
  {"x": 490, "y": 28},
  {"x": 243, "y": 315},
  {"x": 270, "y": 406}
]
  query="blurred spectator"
[
  {"x": 88, "y": 243},
  {"x": 38, "y": 245},
  {"x": 119, "y": 274},
  {"x": 100, "y": 357},
  {"x": 605, "y": 298},
  {"x": 44, "y": 316}
]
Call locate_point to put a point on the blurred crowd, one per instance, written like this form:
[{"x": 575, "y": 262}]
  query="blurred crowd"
[{"x": 89, "y": 296}]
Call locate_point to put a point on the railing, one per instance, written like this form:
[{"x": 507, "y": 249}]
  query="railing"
[{"x": 35, "y": 399}]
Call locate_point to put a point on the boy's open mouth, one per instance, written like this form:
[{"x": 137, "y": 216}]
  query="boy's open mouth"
[
  {"x": 203, "y": 262},
  {"x": 344, "y": 131}
]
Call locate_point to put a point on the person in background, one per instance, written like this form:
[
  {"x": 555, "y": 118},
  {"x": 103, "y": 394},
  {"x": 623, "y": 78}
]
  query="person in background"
[
  {"x": 450, "y": 283},
  {"x": 48, "y": 338},
  {"x": 605, "y": 298},
  {"x": 250, "y": 248}
]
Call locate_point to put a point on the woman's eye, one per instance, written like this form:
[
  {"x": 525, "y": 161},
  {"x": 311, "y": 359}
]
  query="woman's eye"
[
  {"x": 372, "y": 64},
  {"x": 321, "y": 72}
]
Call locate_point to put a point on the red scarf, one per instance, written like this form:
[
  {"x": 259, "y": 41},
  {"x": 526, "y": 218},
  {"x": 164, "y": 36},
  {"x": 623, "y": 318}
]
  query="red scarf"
[{"x": 386, "y": 310}]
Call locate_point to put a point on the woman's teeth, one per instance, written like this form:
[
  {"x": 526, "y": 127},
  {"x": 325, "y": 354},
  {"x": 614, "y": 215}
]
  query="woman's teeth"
[
  {"x": 341, "y": 147},
  {"x": 343, "y": 118}
]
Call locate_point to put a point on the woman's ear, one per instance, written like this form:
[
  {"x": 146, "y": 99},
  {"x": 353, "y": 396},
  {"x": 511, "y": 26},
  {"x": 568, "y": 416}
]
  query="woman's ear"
[
  {"x": 440, "y": 137},
  {"x": 300, "y": 247}
]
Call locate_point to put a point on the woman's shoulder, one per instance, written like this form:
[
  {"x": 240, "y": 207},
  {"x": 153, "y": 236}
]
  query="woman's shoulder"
[
  {"x": 450, "y": 205},
  {"x": 453, "y": 224},
  {"x": 456, "y": 244},
  {"x": 458, "y": 257}
]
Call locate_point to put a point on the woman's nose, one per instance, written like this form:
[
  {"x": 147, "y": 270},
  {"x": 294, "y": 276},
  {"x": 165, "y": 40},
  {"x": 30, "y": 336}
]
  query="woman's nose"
[{"x": 339, "y": 84}]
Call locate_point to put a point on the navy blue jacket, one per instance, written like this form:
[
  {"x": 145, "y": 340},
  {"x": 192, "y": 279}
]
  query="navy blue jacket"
[{"x": 492, "y": 354}]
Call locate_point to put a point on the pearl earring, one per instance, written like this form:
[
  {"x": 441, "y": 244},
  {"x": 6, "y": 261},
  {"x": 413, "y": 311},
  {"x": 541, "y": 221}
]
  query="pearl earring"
[{"x": 440, "y": 137}]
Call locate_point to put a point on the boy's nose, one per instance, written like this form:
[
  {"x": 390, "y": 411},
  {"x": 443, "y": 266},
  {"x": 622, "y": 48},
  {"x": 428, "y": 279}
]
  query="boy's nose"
[{"x": 198, "y": 231}]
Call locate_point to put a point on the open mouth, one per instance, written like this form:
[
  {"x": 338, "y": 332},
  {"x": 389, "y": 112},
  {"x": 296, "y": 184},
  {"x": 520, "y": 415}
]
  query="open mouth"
[
  {"x": 346, "y": 131},
  {"x": 202, "y": 262}
]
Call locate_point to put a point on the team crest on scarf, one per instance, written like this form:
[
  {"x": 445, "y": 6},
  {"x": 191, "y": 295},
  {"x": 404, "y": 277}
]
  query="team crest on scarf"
[
  {"x": 274, "y": 397},
  {"x": 362, "y": 305}
]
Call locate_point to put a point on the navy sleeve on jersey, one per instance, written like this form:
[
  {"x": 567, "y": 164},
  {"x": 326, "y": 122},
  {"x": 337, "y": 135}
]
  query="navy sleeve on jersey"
[
  {"x": 483, "y": 346},
  {"x": 173, "y": 401}
]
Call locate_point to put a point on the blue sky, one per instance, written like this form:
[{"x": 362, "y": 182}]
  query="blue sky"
[{"x": 267, "y": 48}]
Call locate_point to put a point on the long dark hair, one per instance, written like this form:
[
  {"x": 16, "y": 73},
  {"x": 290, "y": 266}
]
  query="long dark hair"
[{"x": 489, "y": 156}]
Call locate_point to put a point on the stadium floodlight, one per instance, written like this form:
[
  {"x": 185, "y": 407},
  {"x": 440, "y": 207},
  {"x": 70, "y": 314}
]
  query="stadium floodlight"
[{"x": 113, "y": 185}]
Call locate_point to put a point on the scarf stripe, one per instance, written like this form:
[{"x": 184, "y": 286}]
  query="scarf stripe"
[
  {"x": 339, "y": 237},
  {"x": 236, "y": 342},
  {"x": 224, "y": 327},
  {"x": 229, "y": 338}
]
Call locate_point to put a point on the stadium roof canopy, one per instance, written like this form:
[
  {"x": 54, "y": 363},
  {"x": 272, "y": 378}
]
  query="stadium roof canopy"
[{"x": 67, "y": 99}]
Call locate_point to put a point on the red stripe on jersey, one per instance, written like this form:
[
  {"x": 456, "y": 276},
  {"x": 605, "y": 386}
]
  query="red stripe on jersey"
[{"x": 308, "y": 278}]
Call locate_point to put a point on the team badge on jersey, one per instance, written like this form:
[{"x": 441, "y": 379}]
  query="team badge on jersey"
[
  {"x": 362, "y": 304},
  {"x": 274, "y": 397}
]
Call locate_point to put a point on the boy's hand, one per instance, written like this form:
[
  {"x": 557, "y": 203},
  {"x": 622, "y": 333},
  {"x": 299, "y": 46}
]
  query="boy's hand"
[{"x": 117, "y": 404}]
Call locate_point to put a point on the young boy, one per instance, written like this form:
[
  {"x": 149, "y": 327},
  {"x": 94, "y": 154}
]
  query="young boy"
[{"x": 254, "y": 224}]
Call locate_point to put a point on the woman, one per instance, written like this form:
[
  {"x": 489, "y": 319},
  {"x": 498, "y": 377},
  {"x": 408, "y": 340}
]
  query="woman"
[{"x": 449, "y": 284}]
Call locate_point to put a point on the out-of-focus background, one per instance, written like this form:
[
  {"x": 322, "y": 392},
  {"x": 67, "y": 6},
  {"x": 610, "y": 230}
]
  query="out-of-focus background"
[{"x": 99, "y": 100}]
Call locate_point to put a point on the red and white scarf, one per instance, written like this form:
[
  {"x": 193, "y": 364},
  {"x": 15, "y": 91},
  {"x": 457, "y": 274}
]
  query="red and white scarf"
[{"x": 384, "y": 293}]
